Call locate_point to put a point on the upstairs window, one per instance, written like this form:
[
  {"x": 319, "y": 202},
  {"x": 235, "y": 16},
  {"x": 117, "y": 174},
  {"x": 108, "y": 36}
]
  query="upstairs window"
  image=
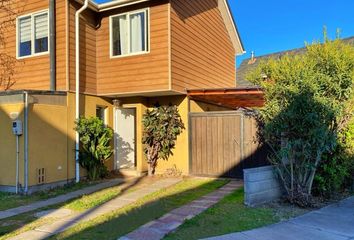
[
  {"x": 32, "y": 34},
  {"x": 129, "y": 33}
]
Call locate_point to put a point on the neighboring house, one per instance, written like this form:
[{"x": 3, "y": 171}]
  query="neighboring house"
[
  {"x": 250, "y": 64},
  {"x": 132, "y": 54}
]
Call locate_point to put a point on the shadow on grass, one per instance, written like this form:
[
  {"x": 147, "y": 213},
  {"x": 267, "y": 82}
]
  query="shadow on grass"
[
  {"x": 12, "y": 224},
  {"x": 227, "y": 216},
  {"x": 151, "y": 207}
]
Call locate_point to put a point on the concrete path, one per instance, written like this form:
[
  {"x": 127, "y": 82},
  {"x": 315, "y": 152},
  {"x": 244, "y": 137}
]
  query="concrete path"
[
  {"x": 157, "y": 229},
  {"x": 334, "y": 222},
  {"x": 62, "y": 224},
  {"x": 59, "y": 199}
]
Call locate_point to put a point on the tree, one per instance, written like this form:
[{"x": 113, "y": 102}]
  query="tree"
[
  {"x": 95, "y": 138},
  {"x": 7, "y": 61},
  {"x": 309, "y": 100},
  {"x": 162, "y": 126}
]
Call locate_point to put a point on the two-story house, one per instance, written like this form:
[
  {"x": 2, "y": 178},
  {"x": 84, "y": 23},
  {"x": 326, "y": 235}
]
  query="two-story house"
[{"x": 113, "y": 60}]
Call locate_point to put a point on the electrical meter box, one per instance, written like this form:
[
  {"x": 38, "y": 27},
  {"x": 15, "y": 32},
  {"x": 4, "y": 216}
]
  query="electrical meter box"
[{"x": 17, "y": 127}]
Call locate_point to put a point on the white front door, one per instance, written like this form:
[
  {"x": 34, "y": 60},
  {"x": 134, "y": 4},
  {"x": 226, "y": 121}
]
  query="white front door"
[{"x": 124, "y": 138}]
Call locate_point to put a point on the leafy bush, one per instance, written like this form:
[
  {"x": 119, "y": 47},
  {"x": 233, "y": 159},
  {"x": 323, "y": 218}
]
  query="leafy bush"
[
  {"x": 95, "y": 139},
  {"x": 162, "y": 126},
  {"x": 309, "y": 98},
  {"x": 335, "y": 174}
]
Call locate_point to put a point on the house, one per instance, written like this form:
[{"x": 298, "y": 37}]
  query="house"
[
  {"x": 250, "y": 64},
  {"x": 123, "y": 56}
]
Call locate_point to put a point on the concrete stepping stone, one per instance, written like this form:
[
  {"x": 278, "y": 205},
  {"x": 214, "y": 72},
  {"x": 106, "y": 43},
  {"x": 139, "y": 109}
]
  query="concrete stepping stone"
[
  {"x": 59, "y": 199},
  {"x": 54, "y": 213},
  {"x": 74, "y": 218},
  {"x": 157, "y": 229}
]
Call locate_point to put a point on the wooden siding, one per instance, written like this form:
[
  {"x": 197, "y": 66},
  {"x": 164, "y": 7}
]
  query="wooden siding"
[
  {"x": 140, "y": 73},
  {"x": 31, "y": 72},
  {"x": 202, "y": 53},
  {"x": 224, "y": 143},
  {"x": 61, "y": 45},
  {"x": 88, "y": 58}
]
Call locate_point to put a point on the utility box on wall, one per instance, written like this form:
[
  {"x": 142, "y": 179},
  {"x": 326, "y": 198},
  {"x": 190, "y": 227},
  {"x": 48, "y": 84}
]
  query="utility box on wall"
[{"x": 17, "y": 127}]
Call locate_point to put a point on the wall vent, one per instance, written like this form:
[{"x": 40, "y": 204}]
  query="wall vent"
[{"x": 40, "y": 175}]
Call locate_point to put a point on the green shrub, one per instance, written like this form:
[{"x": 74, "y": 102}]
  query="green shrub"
[
  {"x": 162, "y": 126},
  {"x": 335, "y": 173},
  {"x": 95, "y": 140},
  {"x": 309, "y": 98}
]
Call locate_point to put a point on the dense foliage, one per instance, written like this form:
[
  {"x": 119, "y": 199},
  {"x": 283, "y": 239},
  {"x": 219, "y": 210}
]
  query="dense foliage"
[
  {"x": 95, "y": 139},
  {"x": 309, "y": 101},
  {"x": 162, "y": 126}
]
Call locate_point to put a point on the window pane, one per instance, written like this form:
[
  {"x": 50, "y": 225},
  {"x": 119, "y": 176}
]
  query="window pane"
[
  {"x": 100, "y": 113},
  {"x": 119, "y": 35},
  {"x": 41, "y": 33},
  {"x": 25, "y": 36},
  {"x": 137, "y": 32}
]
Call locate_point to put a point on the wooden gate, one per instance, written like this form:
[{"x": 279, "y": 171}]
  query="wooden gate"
[{"x": 222, "y": 144}]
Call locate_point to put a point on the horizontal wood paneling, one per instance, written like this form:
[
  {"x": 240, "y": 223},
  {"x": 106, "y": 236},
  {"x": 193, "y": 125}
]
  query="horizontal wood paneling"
[
  {"x": 32, "y": 72},
  {"x": 138, "y": 73},
  {"x": 201, "y": 50},
  {"x": 88, "y": 58},
  {"x": 61, "y": 44}
]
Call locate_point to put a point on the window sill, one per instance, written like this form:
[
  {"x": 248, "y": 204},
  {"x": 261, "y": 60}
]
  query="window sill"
[
  {"x": 130, "y": 55},
  {"x": 33, "y": 55}
]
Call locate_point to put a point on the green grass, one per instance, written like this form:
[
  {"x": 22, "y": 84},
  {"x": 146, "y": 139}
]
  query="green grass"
[
  {"x": 153, "y": 206},
  {"x": 25, "y": 222},
  {"x": 228, "y": 216},
  {"x": 10, "y": 200},
  {"x": 92, "y": 200}
]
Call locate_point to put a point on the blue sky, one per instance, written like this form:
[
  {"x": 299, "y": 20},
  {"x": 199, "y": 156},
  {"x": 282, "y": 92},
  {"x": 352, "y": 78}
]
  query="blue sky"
[
  {"x": 274, "y": 25},
  {"x": 277, "y": 25}
]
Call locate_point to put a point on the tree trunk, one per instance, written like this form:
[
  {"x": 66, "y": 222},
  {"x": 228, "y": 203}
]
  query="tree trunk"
[{"x": 150, "y": 170}]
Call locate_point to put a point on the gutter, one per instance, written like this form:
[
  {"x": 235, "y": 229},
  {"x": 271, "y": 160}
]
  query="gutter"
[
  {"x": 52, "y": 44},
  {"x": 25, "y": 133},
  {"x": 110, "y": 5},
  {"x": 77, "y": 92}
]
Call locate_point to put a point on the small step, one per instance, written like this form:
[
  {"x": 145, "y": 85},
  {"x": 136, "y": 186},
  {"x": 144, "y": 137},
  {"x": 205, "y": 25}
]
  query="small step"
[{"x": 129, "y": 172}]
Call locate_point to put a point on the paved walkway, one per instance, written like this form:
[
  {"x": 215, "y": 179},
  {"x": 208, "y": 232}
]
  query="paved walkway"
[
  {"x": 60, "y": 199},
  {"x": 157, "y": 229},
  {"x": 70, "y": 219},
  {"x": 334, "y": 222}
]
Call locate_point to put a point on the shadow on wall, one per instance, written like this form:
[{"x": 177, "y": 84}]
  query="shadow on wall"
[
  {"x": 222, "y": 144},
  {"x": 195, "y": 7},
  {"x": 124, "y": 151},
  {"x": 47, "y": 145}
]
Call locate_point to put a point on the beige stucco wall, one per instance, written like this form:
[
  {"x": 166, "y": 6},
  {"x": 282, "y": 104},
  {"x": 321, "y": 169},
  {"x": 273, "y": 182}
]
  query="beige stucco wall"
[
  {"x": 52, "y": 136},
  {"x": 8, "y": 146},
  {"x": 179, "y": 159}
]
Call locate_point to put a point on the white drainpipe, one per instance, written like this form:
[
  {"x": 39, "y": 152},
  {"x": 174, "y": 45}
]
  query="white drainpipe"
[{"x": 77, "y": 92}]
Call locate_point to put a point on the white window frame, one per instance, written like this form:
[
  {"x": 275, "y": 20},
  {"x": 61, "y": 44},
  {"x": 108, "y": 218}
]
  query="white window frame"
[
  {"x": 147, "y": 33},
  {"x": 32, "y": 15}
]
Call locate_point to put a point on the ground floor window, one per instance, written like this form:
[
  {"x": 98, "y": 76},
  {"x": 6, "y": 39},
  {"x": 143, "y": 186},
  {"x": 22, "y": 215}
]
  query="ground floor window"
[{"x": 101, "y": 113}]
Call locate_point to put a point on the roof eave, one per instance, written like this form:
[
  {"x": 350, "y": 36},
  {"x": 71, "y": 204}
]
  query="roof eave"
[{"x": 231, "y": 27}]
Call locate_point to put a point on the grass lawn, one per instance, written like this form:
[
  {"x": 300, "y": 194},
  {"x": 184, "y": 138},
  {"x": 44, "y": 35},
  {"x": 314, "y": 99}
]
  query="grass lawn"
[
  {"x": 10, "y": 200},
  {"x": 153, "y": 206},
  {"x": 25, "y": 222},
  {"x": 230, "y": 215}
]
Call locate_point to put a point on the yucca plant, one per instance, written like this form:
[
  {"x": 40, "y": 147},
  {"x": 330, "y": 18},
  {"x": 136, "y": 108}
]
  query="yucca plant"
[{"x": 95, "y": 140}]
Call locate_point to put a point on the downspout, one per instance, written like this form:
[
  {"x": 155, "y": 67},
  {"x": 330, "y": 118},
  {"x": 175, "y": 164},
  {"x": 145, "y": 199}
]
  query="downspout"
[
  {"x": 77, "y": 92},
  {"x": 25, "y": 135},
  {"x": 52, "y": 44}
]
